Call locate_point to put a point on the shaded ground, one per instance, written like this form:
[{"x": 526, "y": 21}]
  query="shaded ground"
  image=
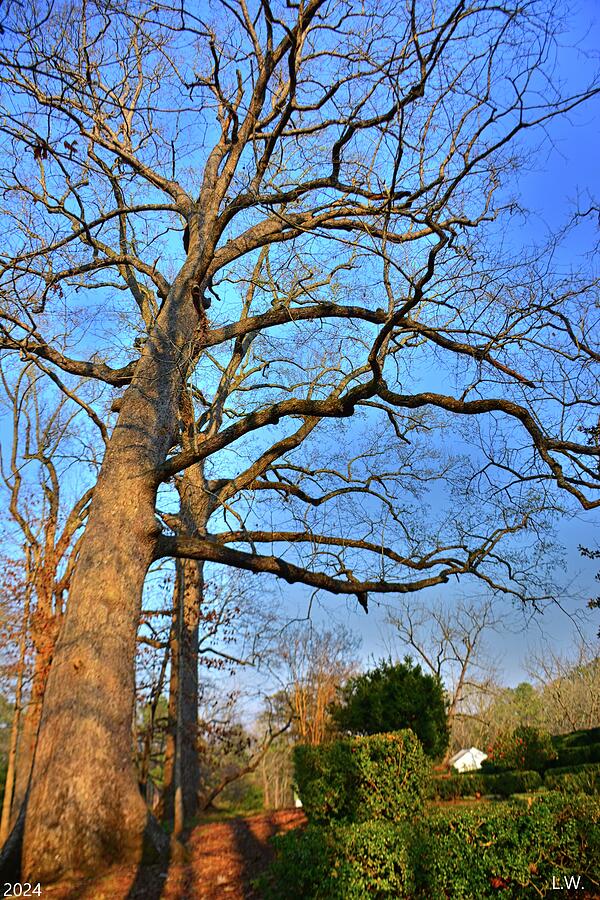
[{"x": 222, "y": 860}]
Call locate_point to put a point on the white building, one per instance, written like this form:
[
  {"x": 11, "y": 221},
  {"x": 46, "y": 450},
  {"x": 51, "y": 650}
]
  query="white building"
[{"x": 467, "y": 760}]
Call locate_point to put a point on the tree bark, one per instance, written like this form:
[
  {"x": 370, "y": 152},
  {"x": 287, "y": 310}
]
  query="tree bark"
[
  {"x": 44, "y": 644},
  {"x": 182, "y": 767},
  {"x": 85, "y": 810},
  {"x": 182, "y": 763}
]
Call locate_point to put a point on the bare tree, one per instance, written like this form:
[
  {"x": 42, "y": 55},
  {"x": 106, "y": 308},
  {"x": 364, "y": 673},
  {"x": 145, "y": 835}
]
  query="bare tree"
[
  {"x": 49, "y": 519},
  {"x": 311, "y": 664},
  {"x": 452, "y": 642},
  {"x": 233, "y": 632},
  {"x": 569, "y": 685},
  {"x": 594, "y": 602},
  {"x": 371, "y": 142},
  {"x": 22, "y": 633},
  {"x": 277, "y": 776}
]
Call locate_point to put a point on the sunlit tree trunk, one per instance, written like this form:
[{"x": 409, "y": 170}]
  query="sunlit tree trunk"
[
  {"x": 182, "y": 763},
  {"x": 85, "y": 810},
  {"x": 182, "y": 772},
  {"x": 45, "y": 626}
]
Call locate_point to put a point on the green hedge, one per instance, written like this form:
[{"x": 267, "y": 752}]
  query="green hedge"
[
  {"x": 571, "y": 770},
  {"x": 511, "y": 850},
  {"x": 457, "y": 786},
  {"x": 574, "y": 779},
  {"x": 359, "y": 779},
  {"x": 576, "y": 756},
  {"x": 576, "y": 738},
  {"x": 342, "y": 862},
  {"x": 504, "y": 784}
]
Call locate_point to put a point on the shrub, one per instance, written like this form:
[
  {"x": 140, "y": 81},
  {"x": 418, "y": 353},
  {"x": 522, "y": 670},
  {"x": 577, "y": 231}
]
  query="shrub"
[
  {"x": 576, "y": 756},
  {"x": 514, "y": 848},
  {"x": 489, "y": 767},
  {"x": 562, "y": 770},
  {"x": 523, "y": 748},
  {"x": 579, "y": 738},
  {"x": 341, "y": 862},
  {"x": 511, "y": 850},
  {"x": 381, "y": 776},
  {"x": 457, "y": 786},
  {"x": 504, "y": 784},
  {"x": 392, "y": 697},
  {"x": 507, "y": 783},
  {"x": 251, "y": 798},
  {"x": 574, "y": 779}
]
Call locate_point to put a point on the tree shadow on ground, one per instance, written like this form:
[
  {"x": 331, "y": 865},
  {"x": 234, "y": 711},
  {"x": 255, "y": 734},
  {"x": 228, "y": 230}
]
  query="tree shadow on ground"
[
  {"x": 148, "y": 884},
  {"x": 152, "y": 872},
  {"x": 255, "y": 852}
]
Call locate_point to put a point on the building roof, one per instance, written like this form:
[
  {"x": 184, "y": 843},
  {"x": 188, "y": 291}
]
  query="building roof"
[{"x": 474, "y": 751}]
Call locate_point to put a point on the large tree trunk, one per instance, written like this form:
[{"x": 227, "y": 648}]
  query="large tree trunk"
[
  {"x": 182, "y": 769},
  {"x": 85, "y": 810},
  {"x": 182, "y": 763},
  {"x": 193, "y": 586}
]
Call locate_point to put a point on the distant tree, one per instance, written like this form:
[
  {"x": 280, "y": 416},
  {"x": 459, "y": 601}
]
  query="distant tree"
[
  {"x": 46, "y": 510},
  {"x": 594, "y": 602},
  {"x": 311, "y": 666},
  {"x": 449, "y": 641},
  {"x": 569, "y": 686},
  {"x": 393, "y": 696},
  {"x": 276, "y": 774},
  {"x": 527, "y": 703}
]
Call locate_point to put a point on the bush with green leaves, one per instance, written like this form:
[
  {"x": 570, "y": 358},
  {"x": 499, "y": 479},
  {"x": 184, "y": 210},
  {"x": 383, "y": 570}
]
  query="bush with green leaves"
[
  {"x": 395, "y": 696},
  {"x": 523, "y": 748},
  {"x": 510, "y": 849},
  {"x": 503, "y": 784},
  {"x": 342, "y": 862},
  {"x": 574, "y": 779},
  {"x": 576, "y": 756},
  {"x": 381, "y": 776},
  {"x": 580, "y": 738},
  {"x": 456, "y": 786}
]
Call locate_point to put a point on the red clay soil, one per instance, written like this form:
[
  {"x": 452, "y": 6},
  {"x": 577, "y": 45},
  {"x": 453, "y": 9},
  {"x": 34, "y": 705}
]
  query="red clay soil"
[{"x": 221, "y": 862}]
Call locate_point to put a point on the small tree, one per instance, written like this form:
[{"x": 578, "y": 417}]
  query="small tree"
[
  {"x": 310, "y": 665},
  {"x": 395, "y": 696},
  {"x": 524, "y": 747}
]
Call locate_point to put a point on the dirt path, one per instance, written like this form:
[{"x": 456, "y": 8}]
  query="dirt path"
[{"x": 223, "y": 858}]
